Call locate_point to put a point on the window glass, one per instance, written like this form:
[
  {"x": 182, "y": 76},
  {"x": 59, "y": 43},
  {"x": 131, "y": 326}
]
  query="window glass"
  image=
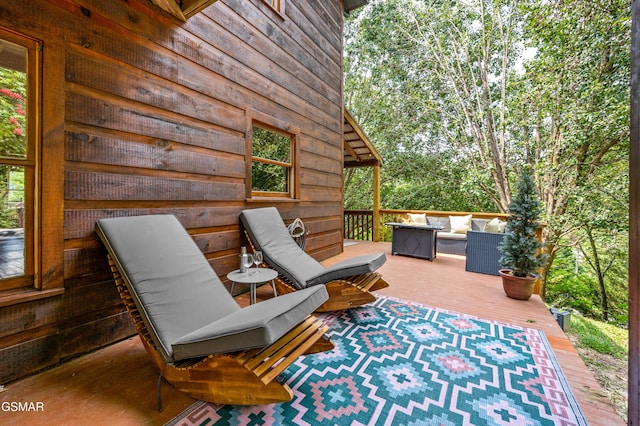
[
  {"x": 274, "y": 4},
  {"x": 11, "y": 221},
  {"x": 17, "y": 161},
  {"x": 272, "y": 166},
  {"x": 13, "y": 97}
]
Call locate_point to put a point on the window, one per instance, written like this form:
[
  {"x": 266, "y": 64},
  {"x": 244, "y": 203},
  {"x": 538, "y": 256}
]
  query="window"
[
  {"x": 271, "y": 163},
  {"x": 19, "y": 133},
  {"x": 272, "y": 151},
  {"x": 277, "y": 5}
]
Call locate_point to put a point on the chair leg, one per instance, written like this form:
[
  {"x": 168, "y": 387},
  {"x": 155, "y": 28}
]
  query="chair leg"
[
  {"x": 368, "y": 282},
  {"x": 379, "y": 284},
  {"x": 345, "y": 295},
  {"x": 283, "y": 287},
  {"x": 222, "y": 379},
  {"x": 324, "y": 344},
  {"x": 159, "y": 393}
]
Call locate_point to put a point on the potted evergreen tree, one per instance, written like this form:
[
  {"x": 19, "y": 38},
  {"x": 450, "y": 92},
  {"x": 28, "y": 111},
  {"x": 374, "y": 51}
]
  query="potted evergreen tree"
[{"x": 521, "y": 256}]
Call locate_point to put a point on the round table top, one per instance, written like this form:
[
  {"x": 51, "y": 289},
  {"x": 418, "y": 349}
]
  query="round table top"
[{"x": 253, "y": 275}]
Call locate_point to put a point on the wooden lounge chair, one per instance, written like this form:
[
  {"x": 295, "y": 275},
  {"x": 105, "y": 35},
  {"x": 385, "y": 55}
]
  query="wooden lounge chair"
[
  {"x": 196, "y": 334},
  {"x": 349, "y": 283}
]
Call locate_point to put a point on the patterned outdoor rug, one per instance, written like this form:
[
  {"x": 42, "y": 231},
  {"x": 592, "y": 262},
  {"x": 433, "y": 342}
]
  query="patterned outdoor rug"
[{"x": 400, "y": 363}]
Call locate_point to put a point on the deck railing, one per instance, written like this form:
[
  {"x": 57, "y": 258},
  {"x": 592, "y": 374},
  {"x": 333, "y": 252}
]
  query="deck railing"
[{"x": 358, "y": 224}]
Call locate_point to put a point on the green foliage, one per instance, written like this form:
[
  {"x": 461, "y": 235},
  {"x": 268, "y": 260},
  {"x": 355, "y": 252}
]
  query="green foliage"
[
  {"x": 270, "y": 176},
  {"x": 572, "y": 285},
  {"x": 12, "y": 191},
  {"x": 13, "y": 119},
  {"x": 13, "y": 125},
  {"x": 601, "y": 337},
  {"x": 457, "y": 96},
  {"x": 389, "y": 87},
  {"x": 521, "y": 245}
]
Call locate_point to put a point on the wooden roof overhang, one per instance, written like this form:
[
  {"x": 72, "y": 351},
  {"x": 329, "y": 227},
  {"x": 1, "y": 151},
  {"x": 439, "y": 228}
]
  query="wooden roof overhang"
[
  {"x": 358, "y": 149},
  {"x": 182, "y": 9},
  {"x": 185, "y": 9},
  {"x": 349, "y": 5}
]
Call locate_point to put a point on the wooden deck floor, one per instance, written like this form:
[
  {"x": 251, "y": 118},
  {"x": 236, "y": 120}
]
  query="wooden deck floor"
[{"x": 117, "y": 385}]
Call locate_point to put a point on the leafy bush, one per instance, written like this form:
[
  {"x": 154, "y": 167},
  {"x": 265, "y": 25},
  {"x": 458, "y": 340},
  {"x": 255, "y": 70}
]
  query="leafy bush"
[{"x": 572, "y": 286}]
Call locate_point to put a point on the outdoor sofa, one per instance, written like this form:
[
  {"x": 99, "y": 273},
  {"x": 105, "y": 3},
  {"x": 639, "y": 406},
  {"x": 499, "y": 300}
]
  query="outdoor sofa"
[
  {"x": 452, "y": 242},
  {"x": 476, "y": 238}
]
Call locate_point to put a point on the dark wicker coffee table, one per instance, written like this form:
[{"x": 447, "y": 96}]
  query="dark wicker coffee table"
[{"x": 414, "y": 240}]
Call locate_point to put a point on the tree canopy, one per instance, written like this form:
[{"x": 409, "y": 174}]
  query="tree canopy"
[{"x": 459, "y": 95}]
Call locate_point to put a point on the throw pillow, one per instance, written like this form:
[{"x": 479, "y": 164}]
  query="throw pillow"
[
  {"x": 460, "y": 224},
  {"x": 418, "y": 218},
  {"x": 495, "y": 225}
]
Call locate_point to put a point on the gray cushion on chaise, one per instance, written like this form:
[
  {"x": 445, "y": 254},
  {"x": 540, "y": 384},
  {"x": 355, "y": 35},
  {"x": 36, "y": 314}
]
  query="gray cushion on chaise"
[
  {"x": 185, "y": 307},
  {"x": 269, "y": 233}
]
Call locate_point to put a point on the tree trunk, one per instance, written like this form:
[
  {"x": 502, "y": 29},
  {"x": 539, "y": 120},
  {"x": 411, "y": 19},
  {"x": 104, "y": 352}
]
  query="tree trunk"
[{"x": 597, "y": 268}]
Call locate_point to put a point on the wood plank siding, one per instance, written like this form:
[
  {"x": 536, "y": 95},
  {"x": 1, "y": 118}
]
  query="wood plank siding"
[{"x": 145, "y": 114}]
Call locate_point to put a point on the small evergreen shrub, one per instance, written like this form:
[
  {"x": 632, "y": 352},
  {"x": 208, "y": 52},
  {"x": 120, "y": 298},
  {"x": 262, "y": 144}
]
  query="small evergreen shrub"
[{"x": 520, "y": 245}]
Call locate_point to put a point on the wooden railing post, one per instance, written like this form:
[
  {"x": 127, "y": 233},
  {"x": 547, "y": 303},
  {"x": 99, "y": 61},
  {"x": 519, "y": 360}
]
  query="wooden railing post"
[{"x": 376, "y": 203}]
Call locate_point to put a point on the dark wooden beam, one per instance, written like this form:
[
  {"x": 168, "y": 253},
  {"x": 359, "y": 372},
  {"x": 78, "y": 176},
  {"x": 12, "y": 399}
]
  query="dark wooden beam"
[
  {"x": 350, "y": 5},
  {"x": 634, "y": 223},
  {"x": 352, "y": 152},
  {"x": 191, "y": 7},
  {"x": 366, "y": 163},
  {"x": 183, "y": 9},
  {"x": 171, "y": 7}
]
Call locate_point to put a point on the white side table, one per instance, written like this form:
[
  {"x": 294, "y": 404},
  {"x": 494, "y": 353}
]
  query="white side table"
[{"x": 253, "y": 277}]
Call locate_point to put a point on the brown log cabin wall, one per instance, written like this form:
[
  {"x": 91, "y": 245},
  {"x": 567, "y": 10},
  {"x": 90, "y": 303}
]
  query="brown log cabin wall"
[{"x": 144, "y": 114}]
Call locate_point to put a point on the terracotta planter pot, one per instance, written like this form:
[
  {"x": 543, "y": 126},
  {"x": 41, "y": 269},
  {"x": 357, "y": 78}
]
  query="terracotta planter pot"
[{"x": 520, "y": 288}]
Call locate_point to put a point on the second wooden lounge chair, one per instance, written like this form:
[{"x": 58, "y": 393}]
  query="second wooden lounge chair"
[
  {"x": 349, "y": 282},
  {"x": 200, "y": 339}
]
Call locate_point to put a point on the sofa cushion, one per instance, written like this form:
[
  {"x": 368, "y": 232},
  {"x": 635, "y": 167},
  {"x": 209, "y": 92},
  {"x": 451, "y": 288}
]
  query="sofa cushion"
[
  {"x": 442, "y": 220},
  {"x": 478, "y": 224},
  {"x": 418, "y": 218},
  {"x": 460, "y": 224},
  {"x": 452, "y": 236},
  {"x": 495, "y": 225}
]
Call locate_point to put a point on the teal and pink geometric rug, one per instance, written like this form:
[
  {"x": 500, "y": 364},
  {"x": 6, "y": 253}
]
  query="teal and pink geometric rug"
[{"x": 400, "y": 363}]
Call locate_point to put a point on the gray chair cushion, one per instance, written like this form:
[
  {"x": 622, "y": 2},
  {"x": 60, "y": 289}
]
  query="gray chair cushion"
[
  {"x": 354, "y": 266},
  {"x": 255, "y": 326},
  {"x": 178, "y": 293},
  {"x": 269, "y": 233}
]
